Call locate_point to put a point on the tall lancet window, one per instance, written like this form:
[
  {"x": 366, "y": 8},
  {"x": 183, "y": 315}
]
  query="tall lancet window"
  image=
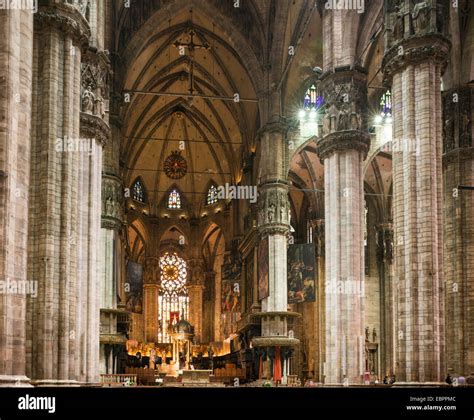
[
  {"x": 308, "y": 115},
  {"x": 173, "y": 299},
  {"x": 138, "y": 191},
  {"x": 309, "y": 232},
  {"x": 174, "y": 199},
  {"x": 311, "y": 98},
  {"x": 211, "y": 195},
  {"x": 386, "y": 107}
]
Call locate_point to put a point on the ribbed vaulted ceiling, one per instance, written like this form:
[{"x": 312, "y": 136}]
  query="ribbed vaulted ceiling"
[{"x": 210, "y": 133}]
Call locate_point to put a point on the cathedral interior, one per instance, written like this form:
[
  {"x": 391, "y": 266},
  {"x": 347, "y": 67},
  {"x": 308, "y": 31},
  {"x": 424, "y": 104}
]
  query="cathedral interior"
[{"x": 221, "y": 192}]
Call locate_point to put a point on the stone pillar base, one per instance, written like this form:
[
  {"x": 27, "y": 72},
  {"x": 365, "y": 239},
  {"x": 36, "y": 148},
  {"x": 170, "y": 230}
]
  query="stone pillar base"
[
  {"x": 14, "y": 381},
  {"x": 341, "y": 385},
  {"x": 55, "y": 383},
  {"x": 420, "y": 385}
]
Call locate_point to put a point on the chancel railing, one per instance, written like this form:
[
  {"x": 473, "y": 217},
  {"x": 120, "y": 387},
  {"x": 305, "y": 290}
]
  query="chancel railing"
[{"x": 118, "y": 380}]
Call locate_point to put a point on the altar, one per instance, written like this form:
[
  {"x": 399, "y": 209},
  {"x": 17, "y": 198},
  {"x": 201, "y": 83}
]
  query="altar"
[
  {"x": 196, "y": 377},
  {"x": 182, "y": 334}
]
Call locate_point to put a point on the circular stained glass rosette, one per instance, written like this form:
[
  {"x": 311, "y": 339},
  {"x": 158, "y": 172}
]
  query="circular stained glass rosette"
[
  {"x": 175, "y": 166},
  {"x": 173, "y": 275}
]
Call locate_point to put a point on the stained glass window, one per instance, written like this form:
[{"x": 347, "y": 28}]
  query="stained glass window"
[
  {"x": 309, "y": 232},
  {"x": 174, "y": 199},
  {"x": 386, "y": 105},
  {"x": 311, "y": 99},
  {"x": 211, "y": 195},
  {"x": 138, "y": 191},
  {"x": 173, "y": 298}
]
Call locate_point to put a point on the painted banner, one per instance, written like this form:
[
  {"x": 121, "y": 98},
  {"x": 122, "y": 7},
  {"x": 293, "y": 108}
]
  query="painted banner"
[
  {"x": 263, "y": 268},
  {"x": 301, "y": 273},
  {"x": 134, "y": 288},
  {"x": 230, "y": 296},
  {"x": 230, "y": 292}
]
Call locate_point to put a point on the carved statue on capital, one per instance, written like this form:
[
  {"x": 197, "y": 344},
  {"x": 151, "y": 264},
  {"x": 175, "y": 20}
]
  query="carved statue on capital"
[
  {"x": 416, "y": 32},
  {"x": 422, "y": 16},
  {"x": 112, "y": 203},
  {"x": 399, "y": 21},
  {"x": 345, "y": 119},
  {"x": 88, "y": 100},
  {"x": 95, "y": 75},
  {"x": 95, "y": 95},
  {"x": 84, "y": 7},
  {"x": 273, "y": 207},
  {"x": 346, "y": 102}
]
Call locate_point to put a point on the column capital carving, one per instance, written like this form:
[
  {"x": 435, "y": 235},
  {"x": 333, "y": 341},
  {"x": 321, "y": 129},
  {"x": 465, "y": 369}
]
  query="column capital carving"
[
  {"x": 273, "y": 208},
  {"x": 95, "y": 94},
  {"x": 345, "y": 95},
  {"x": 281, "y": 127},
  {"x": 345, "y": 119},
  {"x": 343, "y": 140},
  {"x": 67, "y": 19},
  {"x": 112, "y": 202},
  {"x": 415, "y": 50},
  {"x": 415, "y": 33},
  {"x": 93, "y": 127}
]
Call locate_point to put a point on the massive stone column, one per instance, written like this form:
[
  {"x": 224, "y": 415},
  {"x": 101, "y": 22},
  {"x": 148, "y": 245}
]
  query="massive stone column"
[
  {"x": 151, "y": 290},
  {"x": 414, "y": 61},
  {"x": 196, "y": 284},
  {"x": 16, "y": 49},
  {"x": 64, "y": 207},
  {"x": 195, "y": 292},
  {"x": 111, "y": 308},
  {"x": 95, "y": 69},
  {"x": 274, "y": 212},
  {"x": 96, "y": 123},
  {"x": 273, "y": 228},
  {"x": 458, "y": 166},
  {"x": 342, "y": 150}
]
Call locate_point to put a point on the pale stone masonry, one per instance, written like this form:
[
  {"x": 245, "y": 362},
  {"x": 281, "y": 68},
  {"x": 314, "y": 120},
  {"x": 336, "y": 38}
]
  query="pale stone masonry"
[
  {"x": 94, "y": 95},
  {"x": 16, "y": 72},
  {"x": 415, "y": 59},
  {"x": 274, "y": 228},
  {"x": 458, "y": 165},
  {"x": 63, "y": 322},
  {"x": 343, "y": 150}
]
